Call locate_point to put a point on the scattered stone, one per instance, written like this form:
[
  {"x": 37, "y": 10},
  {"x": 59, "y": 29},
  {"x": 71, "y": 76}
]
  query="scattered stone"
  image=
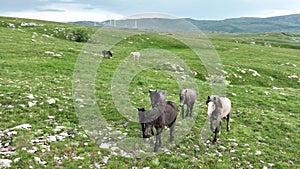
[
  {"x": 104, "y": 145},
  {"x": 51, "y": 117},
  {"x": 23, "y": 126},
  {"x": 30, "y": 104},
  {"x": 38, "y": 160},
  {"x": 51, "y": 101},
  {"x": 5, "y": 163}
]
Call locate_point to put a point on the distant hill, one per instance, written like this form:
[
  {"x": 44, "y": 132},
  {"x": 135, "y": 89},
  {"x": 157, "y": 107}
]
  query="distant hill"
[
  {"x": 286, "y": 23},
  {"x": 88, "y": 23}
]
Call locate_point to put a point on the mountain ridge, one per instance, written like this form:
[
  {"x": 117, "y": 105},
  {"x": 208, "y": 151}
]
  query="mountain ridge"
[{"x": 283, "y": 23}]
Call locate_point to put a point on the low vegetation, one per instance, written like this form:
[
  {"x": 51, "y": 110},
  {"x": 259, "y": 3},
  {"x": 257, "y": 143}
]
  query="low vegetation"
[{"x": 39, "y": 127}]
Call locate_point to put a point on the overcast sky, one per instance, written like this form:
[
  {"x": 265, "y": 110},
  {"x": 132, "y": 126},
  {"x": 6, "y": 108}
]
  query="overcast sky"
[{"x": 100, "y": 10}]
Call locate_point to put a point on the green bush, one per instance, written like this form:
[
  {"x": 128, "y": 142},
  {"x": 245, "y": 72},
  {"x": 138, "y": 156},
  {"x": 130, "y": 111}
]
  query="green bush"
[{"x": 79, "y": 35}]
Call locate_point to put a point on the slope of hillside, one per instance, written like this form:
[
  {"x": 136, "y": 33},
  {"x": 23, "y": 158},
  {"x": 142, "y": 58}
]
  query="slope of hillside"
[{"x": 39, "y": 124}]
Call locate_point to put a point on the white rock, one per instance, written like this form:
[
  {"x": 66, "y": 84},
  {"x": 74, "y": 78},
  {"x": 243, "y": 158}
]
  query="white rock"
[
  {"x": 5, "y": 163},
  {"x": 293, "y": 77},
  {"x": 58, "y": 128},
  {"x": 33, "y": 150},
  {"x": 78, "y": 158},
  {"x": 30, "y": 96},
  {"x": 38, "y": 160},
  {"x": 104, "y": 145},
  {"x": 51, "y": 101},
  {"x": 277, "y": 88},
  {"x": 12, "y": 133},
  {"x": 64, "y": 134},
  {"x": 10, "y": 106},
  {"x": 30, "y": 104},
  {"x": 51, "y": 138},
  {"x": 23, "y": 126},
  {"x": 16, "y": 160},
  {"x": 22, "y": 105},
  {"x": 51, "y": 117},
  {"x": 105, "y": 159}
]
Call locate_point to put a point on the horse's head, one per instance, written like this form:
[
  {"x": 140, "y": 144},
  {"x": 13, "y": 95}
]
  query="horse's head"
[
  {"x": 182, "y": 96},
  {"x": 157, "y": 97},
  {"x": 147, "y": 132},
  {"x": 211, "y": 106}
]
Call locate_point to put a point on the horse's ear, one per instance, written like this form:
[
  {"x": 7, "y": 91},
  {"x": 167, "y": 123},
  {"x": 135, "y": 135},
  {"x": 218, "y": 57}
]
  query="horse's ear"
[
  {"x": 208, "y": 97},
  {"x": 141, "y": 109},
  {"x": 186, "y": 90}
]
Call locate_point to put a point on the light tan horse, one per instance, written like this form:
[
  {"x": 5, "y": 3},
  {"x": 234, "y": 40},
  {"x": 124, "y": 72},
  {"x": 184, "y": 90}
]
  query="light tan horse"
[{"x": 218, "y": 108}]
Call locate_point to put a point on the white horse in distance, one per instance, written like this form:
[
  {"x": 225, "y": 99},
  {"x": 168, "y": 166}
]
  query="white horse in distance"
[{"x": 135, "y": 55}]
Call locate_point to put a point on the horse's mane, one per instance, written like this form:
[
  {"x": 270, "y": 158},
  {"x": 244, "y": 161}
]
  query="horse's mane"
[
  {"x": 172, "y": 104},
  {"x": 218, "y": 102}
]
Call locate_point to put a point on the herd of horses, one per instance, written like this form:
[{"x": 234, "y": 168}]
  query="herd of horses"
[{"x": 164, "y": 113}]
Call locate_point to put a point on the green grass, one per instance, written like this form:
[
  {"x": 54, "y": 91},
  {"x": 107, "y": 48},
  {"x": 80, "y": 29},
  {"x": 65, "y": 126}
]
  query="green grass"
[{"x": 264, "y": 131}]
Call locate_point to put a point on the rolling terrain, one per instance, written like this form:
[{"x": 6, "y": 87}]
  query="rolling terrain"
[{"x": 40, "y": 127}]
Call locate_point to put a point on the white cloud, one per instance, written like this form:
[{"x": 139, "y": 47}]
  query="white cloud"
[
  {"x": 65, "y": 12},
  {"x": 271, "y": 13}
]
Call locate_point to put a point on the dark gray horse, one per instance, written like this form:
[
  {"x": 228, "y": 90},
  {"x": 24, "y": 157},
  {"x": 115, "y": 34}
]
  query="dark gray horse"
[
  {"x": 167, "y": 118},
  {"x": 188, "y": 97},
  {"x": 218, "y": 108},
  {"x": 107, "y": 52},
  {"x": 163, "y": 113}
]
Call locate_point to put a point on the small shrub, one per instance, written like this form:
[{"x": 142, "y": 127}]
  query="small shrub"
[{"x": 79, "y": 35}]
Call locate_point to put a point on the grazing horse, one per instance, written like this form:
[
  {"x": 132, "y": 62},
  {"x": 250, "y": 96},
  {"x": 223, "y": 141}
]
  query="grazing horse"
[
  {"x": 135, "y": 55},
  {"x": 167, "y": 118},
  {"x": 107, "y": 52},
  {"x": 218, "y": 108},
  {"x": 188, "y": 97}
]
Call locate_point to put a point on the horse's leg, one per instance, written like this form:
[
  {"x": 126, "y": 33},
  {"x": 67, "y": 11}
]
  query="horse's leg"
[
  {"x": 220, "y": 127},
  {"x": 182, "y": 111},
  {"x": 228, "y": 121},
  {"x": 217, "y": 130},
  {"x": 143, "y": 129},
  {"x": 158, "y": 138},
  {"x": 171, "y": 132},
  {"x": 187, "y": 110},
  {"x": 211, "y": 124},
  {"x": 191, "y": 109}
]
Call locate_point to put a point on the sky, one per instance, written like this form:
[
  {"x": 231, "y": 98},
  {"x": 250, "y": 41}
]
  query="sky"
[{"x": 100, "y": 10}]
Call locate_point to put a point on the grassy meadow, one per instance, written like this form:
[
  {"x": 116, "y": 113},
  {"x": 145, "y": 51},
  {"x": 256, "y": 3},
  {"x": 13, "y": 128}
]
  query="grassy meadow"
[{"x": 39, "y": 126}]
